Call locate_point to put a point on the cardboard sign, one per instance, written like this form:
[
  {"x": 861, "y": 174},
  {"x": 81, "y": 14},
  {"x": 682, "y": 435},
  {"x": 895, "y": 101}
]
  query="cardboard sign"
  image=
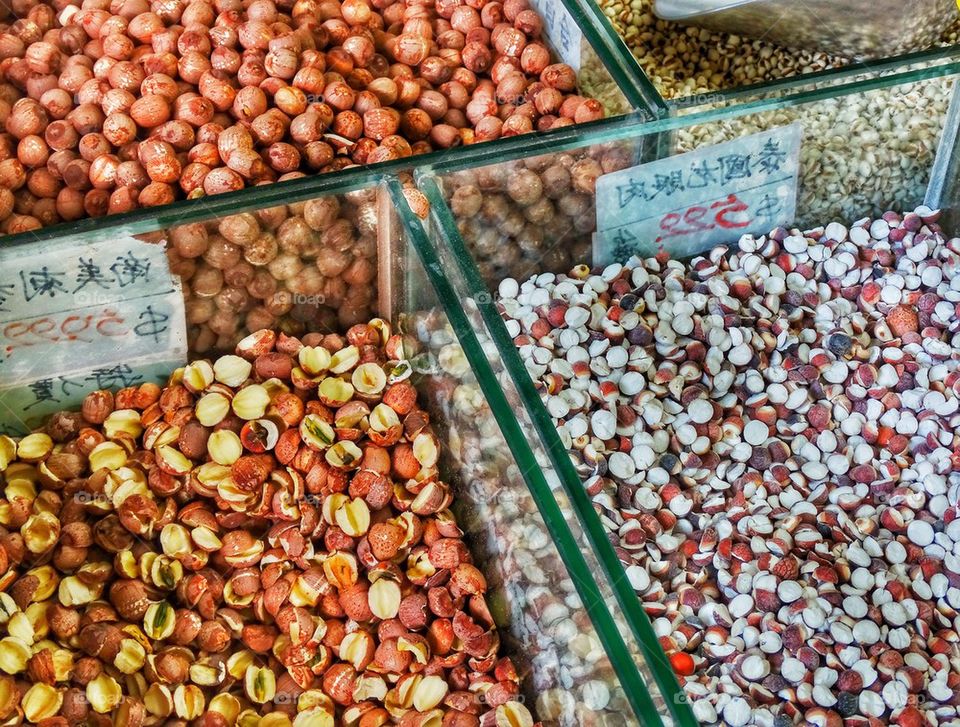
[
  {"x": 78, "y": 317},
  {"x": 688, "y": 203}
]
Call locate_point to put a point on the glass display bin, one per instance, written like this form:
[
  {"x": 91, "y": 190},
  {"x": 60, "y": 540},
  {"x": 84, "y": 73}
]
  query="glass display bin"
[
  {"x": 668, "y": 393},
  {"x": 690, "y": 63},
  {"x": 575, "y": 660},
  {"x": 325, "y": 74}
]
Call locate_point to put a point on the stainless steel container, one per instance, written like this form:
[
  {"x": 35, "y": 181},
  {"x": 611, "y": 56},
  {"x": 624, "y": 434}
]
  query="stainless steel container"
[{"x": 858, "y": 29}]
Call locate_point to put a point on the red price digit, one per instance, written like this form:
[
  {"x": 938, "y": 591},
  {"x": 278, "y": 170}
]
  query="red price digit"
[
  {"x": 693, "y": 216},
  {"x": 43, "y": 328},
  {"x": 691, "y": 221},
  {"x": 730, "y": 206}
]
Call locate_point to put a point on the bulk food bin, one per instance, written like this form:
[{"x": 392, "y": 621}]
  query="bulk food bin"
[
  {"x": 576, "y": 661},
  {"x": 693, "y": 52},
  {"x": 311, "y": 87},
  {"x": 743, "y": 642}
]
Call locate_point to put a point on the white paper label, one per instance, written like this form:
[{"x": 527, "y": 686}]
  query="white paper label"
[
  {"x": 78, "y": 317},
  {"x": 561, "y": 30},
  {"x": 688, "y": 203}
]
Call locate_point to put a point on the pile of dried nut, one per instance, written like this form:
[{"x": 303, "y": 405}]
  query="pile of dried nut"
[
  {"x": 264, "y": 541},
  {"x": 684, "y": 60},
  {"x": 531, "y": 588},
  {"x": 110, "y": 105},
  {"x": 308, "y": 266},
  {"x": 511, "y": 215},
  {"x": 771, "y": 434}
]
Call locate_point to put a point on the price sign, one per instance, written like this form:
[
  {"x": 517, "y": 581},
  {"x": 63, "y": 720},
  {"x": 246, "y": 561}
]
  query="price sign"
[
  {"x": 78, "y": 317},
  {"x": 687, "y": 203},
  {"x": 561, "y": 30}
]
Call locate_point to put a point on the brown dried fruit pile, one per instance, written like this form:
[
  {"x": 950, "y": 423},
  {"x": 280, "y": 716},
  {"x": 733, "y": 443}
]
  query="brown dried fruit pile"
[{"x": 264, "y": 541}]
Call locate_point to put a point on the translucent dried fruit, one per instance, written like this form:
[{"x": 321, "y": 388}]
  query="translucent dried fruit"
[
  {"x": 341, "y": 570},
  {"x": 226, "y": 705},
  {"x": 131, "y": 657},
  {"x": 314, "y": 360},
  {"x": 41, "y": 701},
  {"x": 40, "y": 532},
  {"x": 14, "y": 654},
  {"x": 425, "y": 449},
  {"x": 20, "y": 627},
  {"x": 316, "y": 433},
  {"x": 158, "y": 700},
  {"x": 370, "y": 687},
  {"x": 315, "y": 717},
  {"x": 251, "y": 402},
  {"x": 212, "y": 408},
  {"x": 259, "y": 684},
  {"x": 224, "y": 447},
  {"x": 197, "y": 376},
  {"x": 123, "y": 421},
  {"x": 335, "y": 392},
  {"x": 513, "y": 714},
  {"x": 383, "y": 418},
  {"x": 8, "y": 451},
  {"x": 369, "y": 378},
  {"x": 173, "y": 461},
  {"x": 34, "y": 447},
  {"x": 353, "y": 517},
  {"x": 107, "y": 455},
  {"x": 259, "y": 435},
  {"x": 344, "y": 359},
  {"x": 188, "y": 701},
  {"x": 384, "y": 598},
  {"x": 429, "y": 693},
  {"x": 206, "y": 539},
  {"x": 344, "y": 455},
  {"x": 357, "y": 648},
  {"x": 231, "y": 370},
  {"x": 208, "y": 674},
  {"x": 103, "y": 694},
  {"x": 75, "y": 592},
  {"x": 175, "y": 540},
  {"x": 159, "y": 620}
]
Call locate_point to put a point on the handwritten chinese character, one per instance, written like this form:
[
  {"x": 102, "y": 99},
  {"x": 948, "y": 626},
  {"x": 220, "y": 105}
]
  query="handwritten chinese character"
[
  {"x": 770, "y": 158},
  {"x": 667, "y": 183},
  {"x": 117, "y": 376},
  {"x": 632, "y": 190},
  {"x": 6, "y": 293},
  {"x": 129, "y": 269},
  {"x": 550, "y": 15},
  {"x": 624, "y": 244},
  {"x": 152, "y": 323},
  {"x": 702, "y": 175},
  {"x": 91, "y": 274},
  {"x": 734, "y": 166},
  {"x": 769, "y": 206},
  {"x": 566, "y": 37},
  {"x": 42, "y": 391},
  {"x": 41, "y": 282}
]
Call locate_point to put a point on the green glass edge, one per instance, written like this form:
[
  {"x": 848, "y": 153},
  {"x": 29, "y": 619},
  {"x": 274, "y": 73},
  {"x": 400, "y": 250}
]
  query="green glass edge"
[
  {"x": 490, "y": 152},
  {"x": 634, "y": 688},
  {"x": 837, "y": 76},
  {"x": 620, "y": 63},
  {"x": 626, "y": 597}
]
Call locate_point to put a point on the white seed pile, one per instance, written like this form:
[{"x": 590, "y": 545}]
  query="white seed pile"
[
  {"x": 772, "y": 435},
  {"x": 686, "y": 61},
  {"x": 896, "y": 131}
]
